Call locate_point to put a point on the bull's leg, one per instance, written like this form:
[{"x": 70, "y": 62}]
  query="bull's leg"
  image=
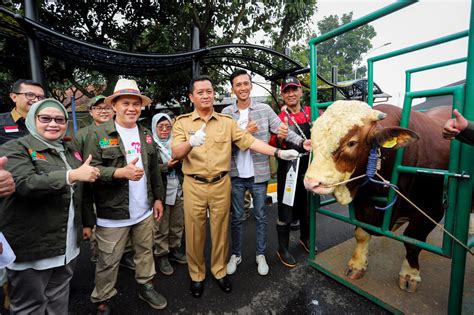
[
  {"x": 359, "y": 260},
  {"x": 410, "y": 278}
]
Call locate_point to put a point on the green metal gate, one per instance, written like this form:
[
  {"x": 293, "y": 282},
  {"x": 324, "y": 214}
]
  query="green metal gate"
[{"x": 461, "y": 168}]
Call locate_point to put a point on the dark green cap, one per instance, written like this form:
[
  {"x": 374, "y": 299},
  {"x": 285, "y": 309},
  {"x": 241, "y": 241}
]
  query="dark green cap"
[{"x": 96, "y": 99}]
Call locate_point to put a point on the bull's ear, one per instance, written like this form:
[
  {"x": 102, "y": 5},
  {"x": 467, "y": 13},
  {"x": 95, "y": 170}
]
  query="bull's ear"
[{"x": 395, "y": 137}]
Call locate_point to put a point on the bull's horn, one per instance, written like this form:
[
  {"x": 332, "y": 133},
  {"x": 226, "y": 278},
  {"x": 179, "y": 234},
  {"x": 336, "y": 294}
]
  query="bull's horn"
[{"x": 377, "y": 115}]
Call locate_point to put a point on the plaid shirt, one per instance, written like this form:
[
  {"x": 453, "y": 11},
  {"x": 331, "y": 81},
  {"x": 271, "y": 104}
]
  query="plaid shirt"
[{"x": 267, "y": 122}]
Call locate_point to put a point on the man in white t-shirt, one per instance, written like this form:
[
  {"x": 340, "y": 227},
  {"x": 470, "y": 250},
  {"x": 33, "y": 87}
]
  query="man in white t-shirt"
[
  {"x": 128, "y": 195},
  {"x": 250, "y": 170}
]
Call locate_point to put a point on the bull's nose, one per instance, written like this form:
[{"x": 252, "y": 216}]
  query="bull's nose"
[{"x": 311, "y": 184}]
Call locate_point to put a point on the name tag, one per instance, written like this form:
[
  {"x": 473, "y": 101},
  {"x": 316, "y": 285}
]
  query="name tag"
[{"x": 10, "y": 129}]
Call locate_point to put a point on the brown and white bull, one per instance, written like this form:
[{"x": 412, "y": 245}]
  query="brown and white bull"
[{"x": 342, "y": 138}]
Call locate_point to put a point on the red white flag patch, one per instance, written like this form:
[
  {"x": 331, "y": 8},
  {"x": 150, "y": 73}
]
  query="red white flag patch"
[{"x": 10, "y": 129}]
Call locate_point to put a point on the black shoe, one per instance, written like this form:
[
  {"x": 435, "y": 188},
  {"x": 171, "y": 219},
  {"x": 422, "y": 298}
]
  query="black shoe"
[
  {"x": 305, "y": 244},
  {"x": 127, "y": 261},
  {"x": 177, "y": 257},
  {"x": 283, "y": 233},
  {"x": 196, "y": 288},
  {"x": 103, "y": 308},
  {"x": 225, "y": 284}
]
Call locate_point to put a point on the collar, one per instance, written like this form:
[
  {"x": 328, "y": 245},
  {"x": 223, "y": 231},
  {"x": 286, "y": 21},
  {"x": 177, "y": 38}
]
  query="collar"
[
  {"x": 195, "y": 115},
  {"x": 15, "y": 115},
  {"x": 236, "y": 108},
  {"x": 37, "y": 145}
]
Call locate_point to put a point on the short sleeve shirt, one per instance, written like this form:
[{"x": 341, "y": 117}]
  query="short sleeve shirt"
[{"x": 213, "y": 157}]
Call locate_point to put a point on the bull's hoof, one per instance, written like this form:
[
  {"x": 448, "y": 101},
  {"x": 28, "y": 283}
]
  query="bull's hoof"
[
  {"x": 354, "y": 274},
  {"x": 407, "y": 284}
]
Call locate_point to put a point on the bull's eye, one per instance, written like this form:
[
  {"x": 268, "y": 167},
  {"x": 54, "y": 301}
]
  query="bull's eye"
[{"x": 351, "y": 143}]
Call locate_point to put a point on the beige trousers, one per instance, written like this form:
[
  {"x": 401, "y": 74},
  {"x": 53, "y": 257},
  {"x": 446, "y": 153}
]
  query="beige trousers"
[
  {"x": 198, "y": 197},
  {"x": 169, "y": 230},
  {"x": 111, "y": 244}
]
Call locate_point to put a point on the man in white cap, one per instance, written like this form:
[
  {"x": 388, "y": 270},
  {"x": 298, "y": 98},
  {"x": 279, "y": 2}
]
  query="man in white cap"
[{"x": 128, "y": 194}]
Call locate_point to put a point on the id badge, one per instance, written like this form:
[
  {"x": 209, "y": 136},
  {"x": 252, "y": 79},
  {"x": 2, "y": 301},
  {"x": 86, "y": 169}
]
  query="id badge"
[{"x": 290, "y": 183}]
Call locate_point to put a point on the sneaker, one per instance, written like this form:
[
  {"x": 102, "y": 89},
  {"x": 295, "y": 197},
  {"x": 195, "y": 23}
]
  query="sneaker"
[
  {"x": 127, "y": 261},
  {"x": 148, "y": 294},
  {"x": 262, "y": 265},
  {"x": 103, "y": 308},
  {"x": 165, "y": 266},
  {"x": 177, "y": 257},
  {"x": 232, "y": 265}
]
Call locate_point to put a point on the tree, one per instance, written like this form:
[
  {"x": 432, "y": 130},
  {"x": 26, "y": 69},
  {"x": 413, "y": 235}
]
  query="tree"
[{"x": 162, "y": 26}]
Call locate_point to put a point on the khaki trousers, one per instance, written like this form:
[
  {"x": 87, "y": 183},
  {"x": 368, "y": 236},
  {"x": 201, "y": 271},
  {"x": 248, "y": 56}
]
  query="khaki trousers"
[
  {"x": 111, "y": 244},
  {"x": 169, "y": 230},
  {"x": 198, "y": 197}
]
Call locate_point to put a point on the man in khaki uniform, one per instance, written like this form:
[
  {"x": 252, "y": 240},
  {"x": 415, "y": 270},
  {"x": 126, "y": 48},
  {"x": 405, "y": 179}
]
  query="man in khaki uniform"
[{"x": 203, "y": 140}]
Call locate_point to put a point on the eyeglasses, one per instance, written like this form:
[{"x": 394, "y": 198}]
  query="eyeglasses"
[
  {"x": 45, "y": 119},
  {"x": 164, "y": 127},
  {"x": 32, "y": 96},
  {"x": 102, "y": 109}
]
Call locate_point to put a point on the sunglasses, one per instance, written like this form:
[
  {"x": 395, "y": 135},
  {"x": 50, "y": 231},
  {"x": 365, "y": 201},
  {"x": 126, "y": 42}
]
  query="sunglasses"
[
  {"x": 45, "y": 119},
  {"x": 102, "y": 109},
  {"x": 32, "y": 96}
]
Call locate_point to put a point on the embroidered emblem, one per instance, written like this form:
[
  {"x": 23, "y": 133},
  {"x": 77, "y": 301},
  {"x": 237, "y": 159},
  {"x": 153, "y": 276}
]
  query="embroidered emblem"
[
  {"x": 148, "y": 139},
  {"x": 107, "y": 143},
  {"x": 35, "y": 156},
  {"x": 78, "y": 156}
]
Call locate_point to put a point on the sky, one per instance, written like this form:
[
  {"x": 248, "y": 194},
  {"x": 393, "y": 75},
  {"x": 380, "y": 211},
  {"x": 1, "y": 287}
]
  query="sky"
[{"x": 420, "y": 22}]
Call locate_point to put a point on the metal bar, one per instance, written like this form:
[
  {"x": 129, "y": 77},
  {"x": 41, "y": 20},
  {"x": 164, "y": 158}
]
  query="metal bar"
[
  {"x": 370, "y": 83},
  {"x": 420, "y": 46},
  {"x": 313, "y": 75},
  {"x": 369, "y": 227},
  {"x": 437, "y": 65},
  {"x": 430, "y": 171},
  {"x": 324, "y": 105},
  {"x": 362, "y": 21},
  {"x": 314, "y": 203},
  {"x": 464, "y": 194},
  {"x": 34, "y": 49},
  {"x": 435, "y": 92}
]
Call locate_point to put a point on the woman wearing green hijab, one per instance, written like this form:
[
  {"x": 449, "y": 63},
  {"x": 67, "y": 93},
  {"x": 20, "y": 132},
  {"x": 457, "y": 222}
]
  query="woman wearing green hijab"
[{"x": 49, "y": 213}]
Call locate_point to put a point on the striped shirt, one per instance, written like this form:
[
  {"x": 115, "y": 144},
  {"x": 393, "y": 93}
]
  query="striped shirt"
[{"x": 267, "y": 122}]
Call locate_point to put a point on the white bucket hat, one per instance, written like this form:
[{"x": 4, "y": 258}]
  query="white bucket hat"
[{"x": 127, "y": 87}]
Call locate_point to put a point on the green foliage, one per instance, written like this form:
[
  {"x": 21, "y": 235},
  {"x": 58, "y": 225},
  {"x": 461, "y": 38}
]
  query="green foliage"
[{"x": 163, "y": 26}]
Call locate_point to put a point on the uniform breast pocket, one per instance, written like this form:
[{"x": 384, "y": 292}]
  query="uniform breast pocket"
[
  {"x": 44, "y": 167},
  {"x": 221, "y": 141},
  {"x": 110, "y": 154}
]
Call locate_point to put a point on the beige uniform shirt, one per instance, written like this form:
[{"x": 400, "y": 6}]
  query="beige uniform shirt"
[{"x": 213, "y": 157}]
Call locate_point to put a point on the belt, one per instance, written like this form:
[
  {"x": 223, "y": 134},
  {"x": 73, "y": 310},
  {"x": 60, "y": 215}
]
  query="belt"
[{"x": 209, "y": 180}]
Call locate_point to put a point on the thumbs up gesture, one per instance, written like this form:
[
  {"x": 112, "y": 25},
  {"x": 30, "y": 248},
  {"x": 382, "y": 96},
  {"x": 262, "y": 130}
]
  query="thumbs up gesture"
[
  {"x": 283, "y": 130},
  {"x": 197, "y": 139},
  {"x": 454, "y": 125},
  {"x": 84, "y": 173},
  {"x": 7, "y": 185},
  {"x": 132, "y": 171}
]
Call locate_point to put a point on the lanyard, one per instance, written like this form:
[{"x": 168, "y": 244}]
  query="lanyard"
[{"x": 296, "y": 125}]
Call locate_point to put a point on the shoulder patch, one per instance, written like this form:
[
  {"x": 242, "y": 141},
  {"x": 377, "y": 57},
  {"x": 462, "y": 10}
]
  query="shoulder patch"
[
  {"x": 183, "y": 116},
  {"x": 225, "y": 115}
]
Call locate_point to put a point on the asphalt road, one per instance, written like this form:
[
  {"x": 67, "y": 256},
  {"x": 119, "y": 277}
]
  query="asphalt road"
[{"x": 301, "y": 290}]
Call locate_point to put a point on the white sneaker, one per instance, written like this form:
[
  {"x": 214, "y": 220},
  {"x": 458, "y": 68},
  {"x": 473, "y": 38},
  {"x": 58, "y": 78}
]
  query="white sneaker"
[
  {"x": 232, "y": 265},
  {"x": 262, "y": 265}
]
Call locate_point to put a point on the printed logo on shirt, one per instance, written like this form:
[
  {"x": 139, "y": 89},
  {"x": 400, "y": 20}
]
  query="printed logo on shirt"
[
  {"x": 10, "y": 129},
  {"x": 148, "y": 139},
  {"x": 136, "y": 148},
  {"x": 35, "y": 156},
  {"x": 107, "y": 143}
]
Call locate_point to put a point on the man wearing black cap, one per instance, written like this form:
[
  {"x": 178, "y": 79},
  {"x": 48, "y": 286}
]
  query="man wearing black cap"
[{"x": 298, "y": 119}]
